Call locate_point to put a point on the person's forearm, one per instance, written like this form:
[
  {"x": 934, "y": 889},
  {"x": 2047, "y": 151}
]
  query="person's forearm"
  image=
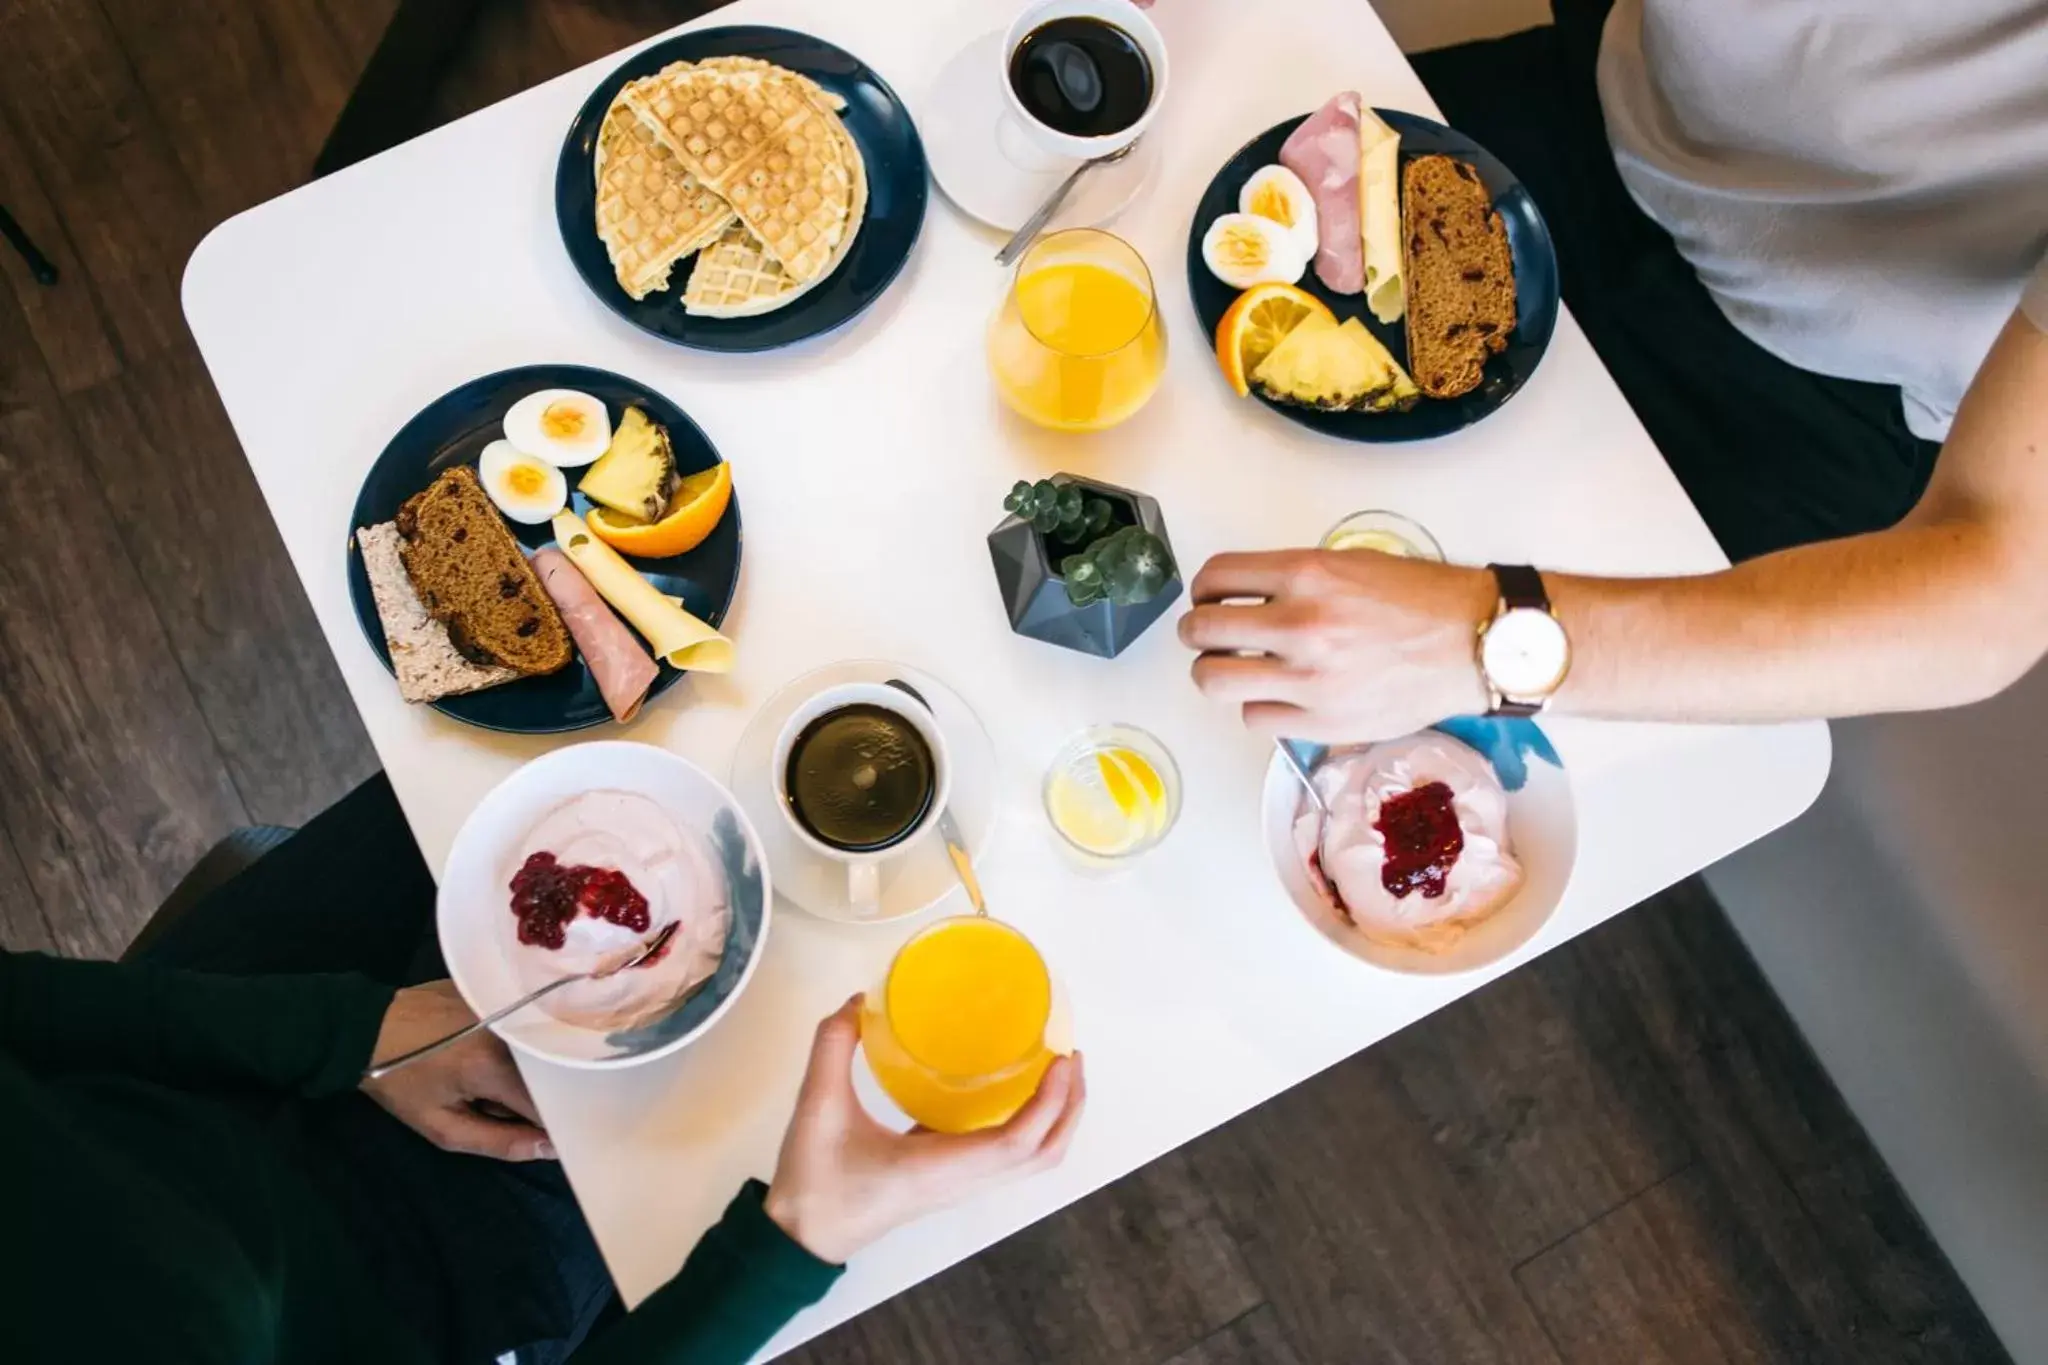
[
  {"x": 311, "y": 1034},
  {"x": 1908, "y": 619}
]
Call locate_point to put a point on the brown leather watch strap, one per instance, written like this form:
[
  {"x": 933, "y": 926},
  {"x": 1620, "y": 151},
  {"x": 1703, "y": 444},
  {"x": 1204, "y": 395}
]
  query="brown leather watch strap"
[{"x": 1520, "y": 586}]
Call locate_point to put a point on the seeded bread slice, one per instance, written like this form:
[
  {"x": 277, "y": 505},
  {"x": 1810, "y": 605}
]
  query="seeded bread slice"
[
  {"x": 1461, "y": 275},
  {"x": 472, "y": 575},
  {"x": 426, "y": 662}
]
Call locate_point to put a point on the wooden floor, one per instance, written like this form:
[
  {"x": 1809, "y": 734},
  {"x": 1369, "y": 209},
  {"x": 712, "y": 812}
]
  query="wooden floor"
[{"x": 1622, "y": 1153}]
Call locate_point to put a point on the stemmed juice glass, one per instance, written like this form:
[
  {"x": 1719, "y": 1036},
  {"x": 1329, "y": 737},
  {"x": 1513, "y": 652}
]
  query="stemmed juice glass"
[{"x": 1078, "y": 344}]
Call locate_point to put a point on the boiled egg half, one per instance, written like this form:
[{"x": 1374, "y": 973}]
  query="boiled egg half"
[
  {"x": 526, "y": 489},
  {"x": 1245, "y": 249},
  {"x": 1277, "y": 193},
  {"x": 562, "y": 426}
]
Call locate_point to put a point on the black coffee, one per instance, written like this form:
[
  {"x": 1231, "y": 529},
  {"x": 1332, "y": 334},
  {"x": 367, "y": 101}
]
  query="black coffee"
[
  {"x": 860, "y": 778},
  {"x": 1082, "y": 77}
]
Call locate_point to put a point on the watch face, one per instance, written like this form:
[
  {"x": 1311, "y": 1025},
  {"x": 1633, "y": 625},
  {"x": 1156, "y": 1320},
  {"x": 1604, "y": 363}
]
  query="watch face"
[{"x": 1525, "y": 653}]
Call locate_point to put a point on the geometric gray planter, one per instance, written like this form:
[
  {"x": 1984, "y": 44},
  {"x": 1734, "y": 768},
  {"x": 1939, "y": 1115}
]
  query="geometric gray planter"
[{"x": 1027, "y": 572}]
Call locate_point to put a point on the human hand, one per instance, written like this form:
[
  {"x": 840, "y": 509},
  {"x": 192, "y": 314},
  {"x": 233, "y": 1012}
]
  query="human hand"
[
  {"x": 843, "y": 1179},
  {"x": 465, "y": 1098},
  {"x": 1346, "y": 646}
]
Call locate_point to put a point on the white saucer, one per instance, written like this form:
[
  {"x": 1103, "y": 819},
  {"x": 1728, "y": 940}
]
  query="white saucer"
[
  {"x": 985, "y": 165},
  {"x": 920, "y": 875}
]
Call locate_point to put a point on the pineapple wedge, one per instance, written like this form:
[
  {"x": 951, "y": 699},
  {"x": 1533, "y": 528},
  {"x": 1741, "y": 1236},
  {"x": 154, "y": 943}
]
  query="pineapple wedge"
[
  {"x": 1323, "y": 365},
  {"x": 636, "y": 475}
]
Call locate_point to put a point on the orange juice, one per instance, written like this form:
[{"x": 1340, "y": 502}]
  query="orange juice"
[
  {"x": 1078, "y": 344},
  {"x": 956, "y": 1035}
]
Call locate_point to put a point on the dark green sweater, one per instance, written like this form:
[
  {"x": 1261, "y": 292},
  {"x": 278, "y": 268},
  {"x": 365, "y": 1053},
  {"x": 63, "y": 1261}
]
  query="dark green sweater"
[{"x": 151, "y": 1207}]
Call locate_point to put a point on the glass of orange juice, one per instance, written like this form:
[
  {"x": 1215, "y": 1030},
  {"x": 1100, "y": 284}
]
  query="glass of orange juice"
[
  {"x": 1078, "y": 345},
  {"x": 957, "y": 1032}
]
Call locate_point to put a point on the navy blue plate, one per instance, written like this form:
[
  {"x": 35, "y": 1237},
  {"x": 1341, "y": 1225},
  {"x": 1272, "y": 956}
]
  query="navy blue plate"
[
  {"x": 1535, "y": 286},
  {"x": 453, "y": 430},
  {"x": 881, "y": 128}
]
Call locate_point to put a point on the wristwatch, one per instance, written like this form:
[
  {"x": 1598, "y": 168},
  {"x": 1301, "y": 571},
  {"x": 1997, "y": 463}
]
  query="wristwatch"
[{"x": 1523, "y": 651}]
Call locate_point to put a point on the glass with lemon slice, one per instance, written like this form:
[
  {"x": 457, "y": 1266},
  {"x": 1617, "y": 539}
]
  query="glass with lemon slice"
[
  {"x": 1112, "y": 793},
  {"x": 1389, "y": 533}
]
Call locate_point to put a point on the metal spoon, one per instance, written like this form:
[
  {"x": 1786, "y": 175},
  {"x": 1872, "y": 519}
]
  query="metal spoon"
[
  {"x": 1014, "y": 248},
  {"x": 1300, "y": 768},
  {"x": 949, "y": 828},
  {"x": 647, "y": 950}
]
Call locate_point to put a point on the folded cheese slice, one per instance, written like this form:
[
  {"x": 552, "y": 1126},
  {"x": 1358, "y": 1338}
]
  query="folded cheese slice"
[
  {"x": 671, "y": 632},
  {"x": 1379, "y": 215}
]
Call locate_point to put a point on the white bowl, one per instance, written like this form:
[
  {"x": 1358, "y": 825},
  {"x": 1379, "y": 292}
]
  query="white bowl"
[
  {"x": 473, "y": 911},
  {"x": 1542, "y": 825}
]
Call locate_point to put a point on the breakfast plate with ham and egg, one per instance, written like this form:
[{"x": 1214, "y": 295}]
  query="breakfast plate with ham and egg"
[
  {"x": 1372, "y": 274},
  {"x": 545, "y": 549}
]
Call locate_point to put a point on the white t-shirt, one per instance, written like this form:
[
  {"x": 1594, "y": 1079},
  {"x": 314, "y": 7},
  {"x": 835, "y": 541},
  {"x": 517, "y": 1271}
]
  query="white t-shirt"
[{"x": 1861, "y": 184}]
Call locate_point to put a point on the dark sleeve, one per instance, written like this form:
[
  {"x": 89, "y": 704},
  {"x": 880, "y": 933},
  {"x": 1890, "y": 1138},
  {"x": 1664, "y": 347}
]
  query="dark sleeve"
[
  {"x": 741, "y": 1284},
  {"x": 311, "y": 1034}
]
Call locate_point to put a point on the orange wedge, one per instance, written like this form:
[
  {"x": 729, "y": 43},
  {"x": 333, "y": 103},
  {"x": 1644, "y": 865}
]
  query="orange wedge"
[
  {"x": 694, "y": 513},
  {"x": 1256, "y": 323}
]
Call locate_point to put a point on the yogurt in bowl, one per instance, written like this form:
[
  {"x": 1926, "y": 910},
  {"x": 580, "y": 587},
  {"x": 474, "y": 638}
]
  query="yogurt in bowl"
[
  {"x": 575, "y": 861},
  {"x": 1451, "y": 848}
]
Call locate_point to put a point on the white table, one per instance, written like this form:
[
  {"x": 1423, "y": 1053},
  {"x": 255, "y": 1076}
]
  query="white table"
[{"x": 871, "y": 465}]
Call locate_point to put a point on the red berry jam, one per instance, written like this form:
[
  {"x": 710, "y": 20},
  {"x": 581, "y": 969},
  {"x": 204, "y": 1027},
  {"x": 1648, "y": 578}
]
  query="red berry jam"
[
  {"x": 546, "y": 895},
  {"x": 1423, "y": 840}
]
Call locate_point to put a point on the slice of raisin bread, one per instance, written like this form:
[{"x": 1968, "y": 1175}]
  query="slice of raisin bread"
[{"x": 1461, "y": 275}]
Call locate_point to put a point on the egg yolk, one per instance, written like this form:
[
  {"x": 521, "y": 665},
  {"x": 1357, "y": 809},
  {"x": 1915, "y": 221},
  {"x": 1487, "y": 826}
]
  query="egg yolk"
[
  {"x": 524, "y": 481},
  {"x": 1240, "y": 246},
  {"x": 1270, "y": 201},
  {"x": 561, "y": 421}
]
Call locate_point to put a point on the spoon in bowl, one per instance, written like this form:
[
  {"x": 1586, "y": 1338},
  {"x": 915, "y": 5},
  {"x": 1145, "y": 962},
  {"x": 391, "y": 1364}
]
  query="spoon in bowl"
[
  {"x": 1321, "y": 868},
  {"x": 646, "y": 952}
]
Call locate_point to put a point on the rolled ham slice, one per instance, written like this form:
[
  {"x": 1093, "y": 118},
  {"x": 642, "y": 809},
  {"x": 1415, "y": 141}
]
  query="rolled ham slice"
[
  {"x": 1324, "y": 152},
  {"x": 624, "y": 671}
]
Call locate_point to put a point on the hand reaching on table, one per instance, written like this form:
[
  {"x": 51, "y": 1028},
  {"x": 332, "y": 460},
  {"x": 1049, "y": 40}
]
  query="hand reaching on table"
[
  {"x": 466, "y": 1098},
  {"x": 843, "y": 1179},
  {"x": 1339, "y": 646}
]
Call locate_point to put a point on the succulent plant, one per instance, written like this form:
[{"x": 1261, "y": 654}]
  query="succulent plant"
[
  {"x": 1125, "y": 567},
  {"x": 1061, "y": 512}
]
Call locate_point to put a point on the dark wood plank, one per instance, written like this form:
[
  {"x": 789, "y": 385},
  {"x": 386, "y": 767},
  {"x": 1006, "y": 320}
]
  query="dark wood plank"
[
  {"x": 110, "y": 784},
  {"x": 95, "y": 146},
  {"x": 1769, "y": 1124},
  {"x": 390, "y": 100},
  {"x": 1361, "y": 1239},
  {"x": 23, "y": 926},
  {"x": 1254, "y": 1339},
  {"x": 239, "y": 626},
  {"x": 510, "y": 48},
  {"x": 70, "y": 337},
  {"x": 244, "y": 91},
  {"x": 1671, "y": 1278},
  {"x": 1133, "y": 1273},
  {"x": 953, "y": 1318},
  {"x": 589, "y": 29},
  {"x": 1542, "y": 1098}
]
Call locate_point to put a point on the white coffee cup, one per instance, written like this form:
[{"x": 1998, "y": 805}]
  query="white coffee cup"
[
  {"x": 1125, "y": 16},
  {"x": 864, "y": 870}
]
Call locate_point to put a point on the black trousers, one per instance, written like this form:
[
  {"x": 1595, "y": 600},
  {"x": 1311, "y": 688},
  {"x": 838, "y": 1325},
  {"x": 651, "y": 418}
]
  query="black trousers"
[
  {"x": 1772, "y": 455},
  {"x": 480, "y": 1257}
]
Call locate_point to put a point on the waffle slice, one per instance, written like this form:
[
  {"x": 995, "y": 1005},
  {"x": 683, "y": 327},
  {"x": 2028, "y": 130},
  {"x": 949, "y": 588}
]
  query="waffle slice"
[
  {"x": 798, "y": 195},
  {"x": 651, "y": 211},
  {"x": 744, "y": 67},
  {"x": 718, "y": 124},
  {"x": 738, "y": 277}
]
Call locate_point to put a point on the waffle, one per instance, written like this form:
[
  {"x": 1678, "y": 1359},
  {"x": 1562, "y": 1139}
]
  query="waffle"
[
  {"x": 737, "y": 159},
  {"x": 754, "y": 66},
  {"x": 717, "y": 123},
  {"x": 737, "y": 277},
  {"x": 651, "y": 212}
]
